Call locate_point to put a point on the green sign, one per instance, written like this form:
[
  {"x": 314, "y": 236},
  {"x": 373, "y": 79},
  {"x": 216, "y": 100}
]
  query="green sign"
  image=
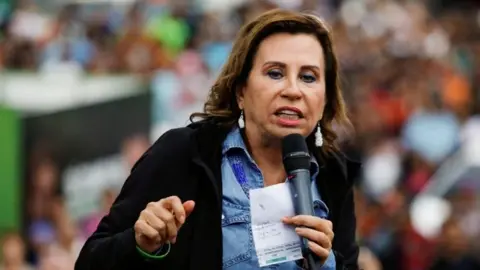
[{"x": 10, "y": 184}]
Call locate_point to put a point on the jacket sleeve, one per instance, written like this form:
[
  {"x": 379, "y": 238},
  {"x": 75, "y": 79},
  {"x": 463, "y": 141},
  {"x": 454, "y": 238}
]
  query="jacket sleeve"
[{"x": 113, "y": 245}]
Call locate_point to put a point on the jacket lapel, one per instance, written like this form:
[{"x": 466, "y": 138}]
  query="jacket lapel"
[
  {"x": 207, "y": 152},
  {"x": 207, "y": 155}
]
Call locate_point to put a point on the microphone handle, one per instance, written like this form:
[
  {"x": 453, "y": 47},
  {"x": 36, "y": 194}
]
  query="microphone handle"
[{"x": 303, "y": 204}]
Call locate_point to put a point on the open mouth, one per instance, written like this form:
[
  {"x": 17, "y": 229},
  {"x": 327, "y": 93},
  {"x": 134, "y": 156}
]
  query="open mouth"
[{"x": 289, "y": 114}]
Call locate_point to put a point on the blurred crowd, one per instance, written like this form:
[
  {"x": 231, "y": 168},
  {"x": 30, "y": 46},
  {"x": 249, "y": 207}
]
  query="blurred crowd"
[{"x": 410, "y": 71}]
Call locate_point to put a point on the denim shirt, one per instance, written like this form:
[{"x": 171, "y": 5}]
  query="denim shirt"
[{"x": 238, "y": 247}]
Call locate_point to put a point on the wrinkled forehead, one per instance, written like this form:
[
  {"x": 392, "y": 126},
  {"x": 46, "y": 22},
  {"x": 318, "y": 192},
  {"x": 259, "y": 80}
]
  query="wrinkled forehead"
[
  {"x": 12, "y": 240},
  {"x": 291, "y": 50}
]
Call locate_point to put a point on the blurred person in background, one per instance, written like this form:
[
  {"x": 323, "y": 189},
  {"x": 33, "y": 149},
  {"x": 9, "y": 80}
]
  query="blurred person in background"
[
  {"x": 104, "y": 60},
  {"x": 136, "y": 51},
  {"x": 454, "y": 249},
  {"x": 42, "y": 192},
  {"x": 13, "y": 256},
  {"x": 91, "y": 223},
  {"x": 66, "y": 47},
  {"x": 20, "y": 55},
  {"x": 133, "y": 148},
  {"x": 466, "y": 211},
  {"x": 367, "y": 260},
  {"x": 171, "y": 29},
  {"x": 63, "y": 251}
]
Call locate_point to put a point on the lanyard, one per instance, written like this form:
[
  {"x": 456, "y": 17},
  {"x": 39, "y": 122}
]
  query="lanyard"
[{"x": 239, "y": 172}]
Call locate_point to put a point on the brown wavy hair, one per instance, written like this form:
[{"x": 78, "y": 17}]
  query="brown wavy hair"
[{"x": 221, "y": 106}]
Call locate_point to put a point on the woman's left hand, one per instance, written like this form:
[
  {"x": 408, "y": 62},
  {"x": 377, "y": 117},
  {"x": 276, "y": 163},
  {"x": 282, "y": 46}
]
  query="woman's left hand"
[{"x": 318, "y": 231}]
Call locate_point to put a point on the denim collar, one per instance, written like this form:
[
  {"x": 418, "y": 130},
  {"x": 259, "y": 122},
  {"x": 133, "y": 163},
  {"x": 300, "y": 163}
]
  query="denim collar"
[{"x": 234, "y": 142}]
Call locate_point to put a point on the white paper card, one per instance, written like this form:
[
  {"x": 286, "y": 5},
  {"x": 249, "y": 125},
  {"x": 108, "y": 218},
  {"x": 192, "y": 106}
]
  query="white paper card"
[{"x": 274, "y": 241}]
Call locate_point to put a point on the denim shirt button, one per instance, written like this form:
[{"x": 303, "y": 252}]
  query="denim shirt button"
[{"x": 223, "y": 216}]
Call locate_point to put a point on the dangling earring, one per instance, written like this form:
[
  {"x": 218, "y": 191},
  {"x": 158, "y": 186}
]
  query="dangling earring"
[
  {"x": 241, "y": 120},
  {"x": 318, "y": 136}
]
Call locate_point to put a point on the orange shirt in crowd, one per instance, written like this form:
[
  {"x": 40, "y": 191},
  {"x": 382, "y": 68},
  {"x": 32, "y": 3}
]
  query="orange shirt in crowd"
[
  {"x": 456, "y": 91},
  {"x": 391, "y": 109}
]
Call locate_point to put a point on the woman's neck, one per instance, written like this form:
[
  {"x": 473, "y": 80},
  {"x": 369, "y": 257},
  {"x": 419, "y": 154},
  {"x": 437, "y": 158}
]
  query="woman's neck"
[{"x": 267, "y": 154}]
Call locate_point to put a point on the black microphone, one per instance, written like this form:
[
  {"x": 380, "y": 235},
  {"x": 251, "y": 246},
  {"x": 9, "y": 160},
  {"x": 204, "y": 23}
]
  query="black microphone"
[{"x": 296, "y": 161}]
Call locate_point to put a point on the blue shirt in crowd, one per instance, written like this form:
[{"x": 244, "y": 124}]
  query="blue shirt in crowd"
[{"x": 238, "y": 247}]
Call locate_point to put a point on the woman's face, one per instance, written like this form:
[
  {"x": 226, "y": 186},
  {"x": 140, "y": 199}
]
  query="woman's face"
[
  {"x": 285, "y": 91},
  {"x": 13, "y": 250}
]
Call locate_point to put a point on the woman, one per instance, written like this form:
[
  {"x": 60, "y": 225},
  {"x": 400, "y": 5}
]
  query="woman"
[
  {"x": 183, "y": 206},
  {"x": 12, "y": 252}
]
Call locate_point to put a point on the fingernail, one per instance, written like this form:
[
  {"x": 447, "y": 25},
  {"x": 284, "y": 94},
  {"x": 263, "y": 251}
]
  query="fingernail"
[
  {"x": 174, "y": 240},
  {"x": 182, "y": 218}
]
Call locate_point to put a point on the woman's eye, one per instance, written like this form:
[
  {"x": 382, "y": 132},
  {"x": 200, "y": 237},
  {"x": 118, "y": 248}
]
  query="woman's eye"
[
  {"x": 308, "y": 78},
  {"x": 275, "y": 74}
]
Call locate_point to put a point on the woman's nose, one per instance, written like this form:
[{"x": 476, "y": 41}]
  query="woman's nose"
[{"x": 292, "y": 90}]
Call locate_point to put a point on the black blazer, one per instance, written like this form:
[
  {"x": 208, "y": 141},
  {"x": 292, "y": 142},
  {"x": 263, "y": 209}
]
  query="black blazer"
[{"x": 186, "y": 162}]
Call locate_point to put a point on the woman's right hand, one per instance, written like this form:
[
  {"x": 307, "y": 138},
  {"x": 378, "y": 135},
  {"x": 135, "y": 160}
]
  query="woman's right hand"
[{"x": 160, "y": 222}]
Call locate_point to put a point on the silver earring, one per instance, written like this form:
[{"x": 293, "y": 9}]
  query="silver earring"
[
  {"x": 241, "y": 120},
  {"x": 318, "y": 136}
]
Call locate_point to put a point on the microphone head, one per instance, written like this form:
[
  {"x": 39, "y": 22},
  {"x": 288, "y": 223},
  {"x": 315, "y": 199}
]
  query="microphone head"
[{"x": 295, "y": 153}]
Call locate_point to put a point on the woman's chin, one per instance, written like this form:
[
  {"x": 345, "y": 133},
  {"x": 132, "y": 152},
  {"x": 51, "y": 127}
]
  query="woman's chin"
[{"x": 281, "y": 131}]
